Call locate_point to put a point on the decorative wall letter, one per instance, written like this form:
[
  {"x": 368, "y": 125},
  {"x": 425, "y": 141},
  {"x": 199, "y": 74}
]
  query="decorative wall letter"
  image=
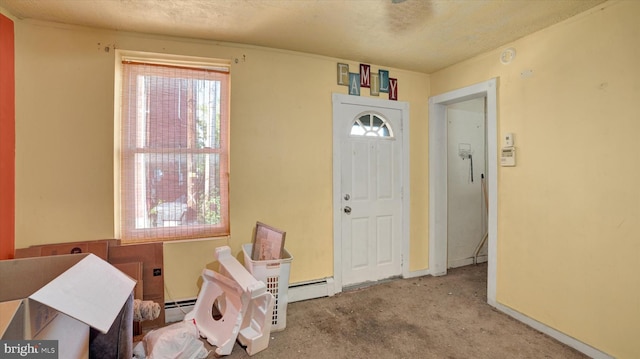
[
  {"x": 374, "y": 90},
  {"x": 377, "y": 81},
  {"x": 343, "y": 74},
  {"x": 384, "y": 80},
  {"x": 365, "y": 71},
  {"x": 354, "y": 84},
  {"x": 393, "y": 89}
]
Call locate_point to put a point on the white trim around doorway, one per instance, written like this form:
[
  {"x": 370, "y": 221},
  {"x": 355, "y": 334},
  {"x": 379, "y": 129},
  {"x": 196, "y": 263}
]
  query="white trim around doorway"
[{"x": 438, "y": 177}]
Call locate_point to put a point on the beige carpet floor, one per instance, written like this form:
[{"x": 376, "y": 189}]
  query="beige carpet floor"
[{"x": 425, "y": 317}]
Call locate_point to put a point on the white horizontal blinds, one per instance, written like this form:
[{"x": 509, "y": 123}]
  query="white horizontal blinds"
[{"x": 174, "y": 152}]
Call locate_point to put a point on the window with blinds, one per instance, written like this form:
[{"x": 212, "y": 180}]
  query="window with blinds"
[{"x": 174, "y": 151}]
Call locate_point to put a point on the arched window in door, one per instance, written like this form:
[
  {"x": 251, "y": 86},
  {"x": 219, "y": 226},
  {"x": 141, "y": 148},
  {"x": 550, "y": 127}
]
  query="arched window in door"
[{"x": 371, "y": 125}]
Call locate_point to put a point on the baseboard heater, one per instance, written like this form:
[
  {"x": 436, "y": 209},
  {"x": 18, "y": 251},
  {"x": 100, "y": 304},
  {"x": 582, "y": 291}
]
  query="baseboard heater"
[
  {"x": 311, "y": 290},
  {"x": 175, "y": 311}
]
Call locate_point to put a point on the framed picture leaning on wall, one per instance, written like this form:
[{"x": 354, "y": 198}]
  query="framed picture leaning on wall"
[{"x": 268, "y": 243}]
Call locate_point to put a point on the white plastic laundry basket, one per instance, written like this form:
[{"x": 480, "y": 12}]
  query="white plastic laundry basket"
[{"x": 275, "y": 275}]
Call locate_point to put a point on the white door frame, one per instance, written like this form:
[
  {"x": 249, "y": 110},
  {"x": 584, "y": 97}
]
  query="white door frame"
[
  {"x": 438, "y": 178},
  {"x": 339, "y": 99}
]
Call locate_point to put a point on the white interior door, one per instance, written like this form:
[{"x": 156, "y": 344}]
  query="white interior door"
[{"x": 371, "y": 192}]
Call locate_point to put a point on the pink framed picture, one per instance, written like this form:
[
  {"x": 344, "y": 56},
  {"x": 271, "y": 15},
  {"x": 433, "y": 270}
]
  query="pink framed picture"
[{"x": 268, "y": 243}]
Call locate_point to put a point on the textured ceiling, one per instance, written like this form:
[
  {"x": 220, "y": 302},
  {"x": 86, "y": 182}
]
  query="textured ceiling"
[{"x": 418, "y": 35}]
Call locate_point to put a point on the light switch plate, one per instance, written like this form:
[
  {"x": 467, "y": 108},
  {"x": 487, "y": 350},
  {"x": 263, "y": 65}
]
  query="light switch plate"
[{"x": 508, "y": 140}]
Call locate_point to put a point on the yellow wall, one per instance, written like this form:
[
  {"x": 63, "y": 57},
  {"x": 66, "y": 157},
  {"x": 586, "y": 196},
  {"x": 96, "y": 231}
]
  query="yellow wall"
[
  {"x": 569, "y": 213},
  {"x": 568, "y": 221},
  {"x": 281, "y": 146}
]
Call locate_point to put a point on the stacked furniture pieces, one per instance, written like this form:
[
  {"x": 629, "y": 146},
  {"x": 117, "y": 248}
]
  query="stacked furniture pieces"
[{"x": 233, "y": 305}]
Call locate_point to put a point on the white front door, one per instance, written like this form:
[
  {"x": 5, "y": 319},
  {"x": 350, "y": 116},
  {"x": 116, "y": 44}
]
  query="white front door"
[{"x": 371, "y": 208}]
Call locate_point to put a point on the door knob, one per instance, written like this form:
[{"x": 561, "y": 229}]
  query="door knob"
[{"x": 347, "y": 210}]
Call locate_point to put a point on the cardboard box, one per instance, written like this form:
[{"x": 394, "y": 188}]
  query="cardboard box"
[
  {"x": 151, "y": 256},
  {"x": 134, "y": 271},
  {"x": 59, "y": 298},
  {"x": 98, "y": 247},
  {"x": 9, "y": 327}
]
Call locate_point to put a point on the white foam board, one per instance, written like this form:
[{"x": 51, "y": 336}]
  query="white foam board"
[{"x": 92, "y": 291}]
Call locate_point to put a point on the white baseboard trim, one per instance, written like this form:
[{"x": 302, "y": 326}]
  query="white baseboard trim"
[
  {"x": 326, "y": 287},
  {"x": 559, "y": 336},
  {"x": 175, "y": 311},
  {"x": 418, "y": 273},
  {"x": 466, "y": 261},
  {"x": 311, "y": 290}
]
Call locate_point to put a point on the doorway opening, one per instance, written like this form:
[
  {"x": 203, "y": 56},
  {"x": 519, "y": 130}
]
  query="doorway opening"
[
  {"x": 438, "y": 177},
  {"x": 466, "y": 183}
]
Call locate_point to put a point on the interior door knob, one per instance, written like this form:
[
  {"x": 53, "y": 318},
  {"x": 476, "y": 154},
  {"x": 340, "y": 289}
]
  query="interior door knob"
[{"x": 347, "y": 209}]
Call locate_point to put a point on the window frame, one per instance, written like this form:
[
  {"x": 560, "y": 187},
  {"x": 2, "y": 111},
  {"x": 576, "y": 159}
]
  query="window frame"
[
  {"x": 357, "y": 122},
  {"x": 154, "y": 234}
]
